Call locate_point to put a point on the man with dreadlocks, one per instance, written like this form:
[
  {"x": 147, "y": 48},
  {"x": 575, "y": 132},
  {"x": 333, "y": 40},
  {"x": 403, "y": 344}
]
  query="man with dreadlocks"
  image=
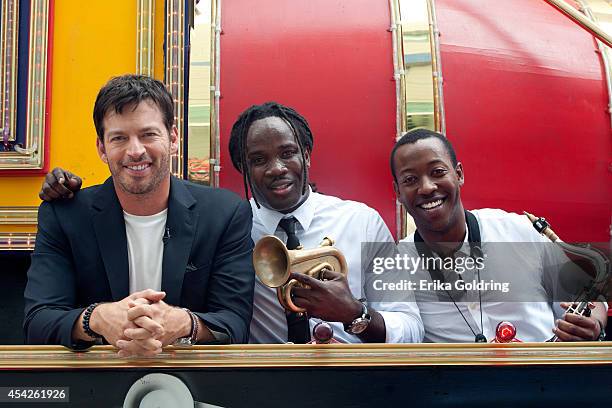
[{"x": 271, "y": 146}]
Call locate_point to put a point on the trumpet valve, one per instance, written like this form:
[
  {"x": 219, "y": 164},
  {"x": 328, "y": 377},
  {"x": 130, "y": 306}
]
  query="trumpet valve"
[{"x": 327, "y": 241}]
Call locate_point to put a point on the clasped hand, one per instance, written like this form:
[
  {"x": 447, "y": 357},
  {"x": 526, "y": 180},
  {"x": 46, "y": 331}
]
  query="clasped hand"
[{"x": 141, "y": 324}]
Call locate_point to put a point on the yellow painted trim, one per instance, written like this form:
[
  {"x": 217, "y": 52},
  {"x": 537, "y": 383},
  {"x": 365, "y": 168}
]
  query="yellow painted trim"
[
  {"x": 159, "y": 38},
  {"x": 88, "y": 49}
]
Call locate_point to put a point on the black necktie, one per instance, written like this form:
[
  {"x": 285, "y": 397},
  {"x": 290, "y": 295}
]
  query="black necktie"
[
  {"x": 288, "y": 225},
  {"x": 298, "y": 327}
]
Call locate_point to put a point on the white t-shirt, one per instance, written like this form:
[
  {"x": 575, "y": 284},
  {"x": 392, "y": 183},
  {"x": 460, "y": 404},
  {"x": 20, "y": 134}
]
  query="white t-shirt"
[{"x": 145, "y": 249}]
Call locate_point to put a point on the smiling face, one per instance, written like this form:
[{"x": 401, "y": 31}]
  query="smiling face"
[
  {"x": 137, "y": 148},
  {"x": 275, "y": 164},
  {"x": 427, "y": 184}
]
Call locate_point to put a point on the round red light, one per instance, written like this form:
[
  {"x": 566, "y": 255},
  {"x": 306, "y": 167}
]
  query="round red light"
[{"x": 505, "y": 332}]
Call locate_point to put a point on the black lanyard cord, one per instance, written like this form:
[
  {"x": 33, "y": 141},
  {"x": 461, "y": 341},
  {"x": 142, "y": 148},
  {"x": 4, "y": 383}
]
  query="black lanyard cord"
[{"x": 475, "y": 252}]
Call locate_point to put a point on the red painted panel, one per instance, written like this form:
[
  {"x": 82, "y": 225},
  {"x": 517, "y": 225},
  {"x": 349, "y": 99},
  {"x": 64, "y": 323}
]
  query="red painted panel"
[
  {"x": 526, "y": 108},
  {"x": 332, "y": 61}
]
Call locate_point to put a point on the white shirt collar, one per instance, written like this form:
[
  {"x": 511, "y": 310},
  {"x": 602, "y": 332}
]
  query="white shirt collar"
[
  {"x": 463, "y": 250},
  {"x": 270, "y": 218}
]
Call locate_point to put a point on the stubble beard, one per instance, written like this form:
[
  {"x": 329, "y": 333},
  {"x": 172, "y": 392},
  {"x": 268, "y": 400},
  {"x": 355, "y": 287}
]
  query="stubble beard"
[{"x": 143, "y": 189}]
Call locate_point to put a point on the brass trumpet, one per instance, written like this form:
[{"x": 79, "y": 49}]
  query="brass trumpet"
[{"x": 274, "y": 263}]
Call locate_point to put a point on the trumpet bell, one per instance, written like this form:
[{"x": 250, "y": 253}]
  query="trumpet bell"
[
  {"x": 274, "y": 263},
  {"x": 271, "y": 261}
]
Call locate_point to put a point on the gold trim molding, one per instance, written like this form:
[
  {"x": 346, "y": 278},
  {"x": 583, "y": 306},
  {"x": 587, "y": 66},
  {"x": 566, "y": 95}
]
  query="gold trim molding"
[
  {"x": 418, "y": 76},
  {"x": 579, "y": 18},
  {"x": 215, "y": 93},
  {"x": 9, "y": 33},
  {"x": 18, "y": 215},
  {"x": 202, "y": 94},
  {"x": 31, "y": 156},
  {"x": 17, "y": 241},
  {"x": 417, "y": 65},
  {"x": 145, "y": 37},
  {"x": 331, "y": 355},
  {"x": 175, "y": 72}
]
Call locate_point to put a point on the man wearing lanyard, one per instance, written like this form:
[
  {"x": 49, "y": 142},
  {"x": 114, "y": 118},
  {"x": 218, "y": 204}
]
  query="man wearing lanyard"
[{"x": 427, "y": 181}]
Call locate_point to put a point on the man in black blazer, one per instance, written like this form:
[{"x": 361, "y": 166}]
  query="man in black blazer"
[{"x": 143, "y": 260}]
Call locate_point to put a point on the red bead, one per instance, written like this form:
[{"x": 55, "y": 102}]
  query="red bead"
[
  {"x": 505, "y": 332},
  {"x": 322, "y": 332}
]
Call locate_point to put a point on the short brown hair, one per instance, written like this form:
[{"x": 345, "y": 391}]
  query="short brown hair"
[{"x": 130, "y": 90}]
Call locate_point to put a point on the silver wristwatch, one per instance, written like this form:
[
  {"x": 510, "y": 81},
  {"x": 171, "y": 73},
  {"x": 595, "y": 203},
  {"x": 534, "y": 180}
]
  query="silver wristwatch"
[
  {"x": 193, "y": 335},
  {"x": 602, "y": 332},
  {"x": 361, "y": 323}
]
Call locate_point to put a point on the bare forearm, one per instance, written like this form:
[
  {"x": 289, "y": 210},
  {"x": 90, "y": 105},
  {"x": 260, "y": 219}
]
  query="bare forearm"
[
  {"x": 185, "y": 327},
  {"x": 204, "y": 333}
]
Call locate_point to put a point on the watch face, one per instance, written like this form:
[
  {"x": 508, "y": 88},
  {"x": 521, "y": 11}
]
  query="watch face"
[
  {"x": 602, "y": 335},
  {"x": 359, "y": 325},
  {"x": 183, "y": 342}
]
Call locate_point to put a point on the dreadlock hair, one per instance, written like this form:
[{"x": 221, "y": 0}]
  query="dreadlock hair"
[{"x": 238, "y": 138}]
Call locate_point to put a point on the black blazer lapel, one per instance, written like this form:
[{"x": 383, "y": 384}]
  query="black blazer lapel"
[
  {"x": 181, "y": 226},
  {"x": 109, "y": 227}
]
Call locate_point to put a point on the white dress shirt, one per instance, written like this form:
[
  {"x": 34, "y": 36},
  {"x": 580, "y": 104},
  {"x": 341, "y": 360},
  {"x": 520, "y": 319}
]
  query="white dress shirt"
[
  {"x": 349, "y": 223},
  {"x": 534, "y": 321}
]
